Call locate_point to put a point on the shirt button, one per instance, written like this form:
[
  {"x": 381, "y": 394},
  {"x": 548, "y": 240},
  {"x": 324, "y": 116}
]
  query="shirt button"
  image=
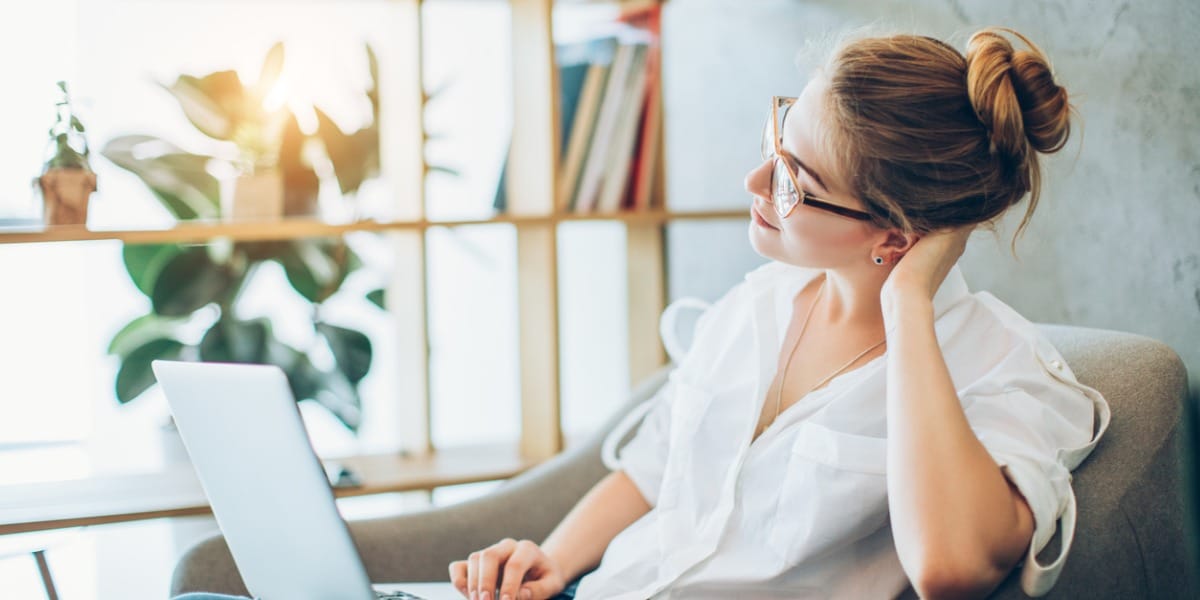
[{"x": 1056, "y": 364}]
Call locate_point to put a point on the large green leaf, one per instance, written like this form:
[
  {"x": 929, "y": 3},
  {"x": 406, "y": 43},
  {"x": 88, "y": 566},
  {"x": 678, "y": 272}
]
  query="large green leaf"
[
  {"x": 272, "y": 67},
  {"x": 329, "y": 389},
  {"x": 376, "y": 298},
  {"x": 373, "y": 90},
  {"x": 317, "y": 267},
  {"x": 189, "y": 281},
  {"x": 231, "y": 340},
  {"x": 351, "y": 350},
  {"x": 179, "y": 179},
  {"x": 300, "y": 182},
  {"x": 135, "y": 375},
  {"x": 143, "y": 262},
  {"x": 258, "y": 251},
  {"x": 341, "y": 398},
  {"x": 141, "y": 331},
  {"x": 355, "y": 156},
  {"x": 215, "y": 103}
]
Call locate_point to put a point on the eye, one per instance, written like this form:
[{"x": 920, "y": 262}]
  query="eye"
[{"x": 800, "y": 177}]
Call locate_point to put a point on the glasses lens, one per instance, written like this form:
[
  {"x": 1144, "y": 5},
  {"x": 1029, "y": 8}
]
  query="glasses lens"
[{"x": 783, "y": 193}]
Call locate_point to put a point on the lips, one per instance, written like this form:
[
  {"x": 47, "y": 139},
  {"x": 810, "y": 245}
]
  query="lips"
[{"x": 758, "y": 218}]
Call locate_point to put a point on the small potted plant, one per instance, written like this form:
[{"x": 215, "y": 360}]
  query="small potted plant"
[
  {"x": 67, "y": 180},
  {"x": 221, "y": 107}
]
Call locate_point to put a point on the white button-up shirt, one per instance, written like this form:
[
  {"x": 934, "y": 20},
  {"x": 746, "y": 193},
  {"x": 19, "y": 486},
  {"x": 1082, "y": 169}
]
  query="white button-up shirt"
[{"x": 802, "y": 511}]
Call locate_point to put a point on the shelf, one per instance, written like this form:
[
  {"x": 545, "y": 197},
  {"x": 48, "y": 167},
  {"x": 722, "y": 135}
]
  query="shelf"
[
  {"x": 298, "y": 227},
  {"x": 177, "y": 492}
]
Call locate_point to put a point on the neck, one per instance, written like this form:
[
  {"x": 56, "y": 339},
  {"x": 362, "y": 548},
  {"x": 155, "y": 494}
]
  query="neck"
[{"x": 850, "y": 297}]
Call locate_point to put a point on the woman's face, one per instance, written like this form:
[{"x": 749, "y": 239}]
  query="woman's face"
[{"x": 808, "y": 237}]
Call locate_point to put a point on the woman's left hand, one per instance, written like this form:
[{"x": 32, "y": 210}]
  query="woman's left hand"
[{"x": 920, "y": 272}]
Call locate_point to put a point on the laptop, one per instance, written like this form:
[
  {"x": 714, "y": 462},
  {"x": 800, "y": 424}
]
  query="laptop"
[{"x": 268, "y": 490}]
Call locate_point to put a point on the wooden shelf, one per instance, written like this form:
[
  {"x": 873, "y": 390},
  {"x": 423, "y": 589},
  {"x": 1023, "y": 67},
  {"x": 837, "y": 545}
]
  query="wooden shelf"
[
  {"x": 293, "y": 228},
  {"x": 177, "y": 493},
  {"x": 534, "y": 212}
]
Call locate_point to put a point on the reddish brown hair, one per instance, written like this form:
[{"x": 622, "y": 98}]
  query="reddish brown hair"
[{"x": 929, "y": 138}]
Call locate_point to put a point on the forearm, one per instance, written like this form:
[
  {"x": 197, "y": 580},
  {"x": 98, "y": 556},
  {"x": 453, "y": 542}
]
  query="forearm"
[
  {"x": 952, "y": 510},
  {"x": 579, "y": 541}
]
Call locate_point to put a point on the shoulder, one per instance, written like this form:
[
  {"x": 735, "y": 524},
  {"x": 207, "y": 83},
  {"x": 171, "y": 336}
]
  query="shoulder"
[
  {"x": 1001, "y": 353},
  {"x": 990, "y": 318}
]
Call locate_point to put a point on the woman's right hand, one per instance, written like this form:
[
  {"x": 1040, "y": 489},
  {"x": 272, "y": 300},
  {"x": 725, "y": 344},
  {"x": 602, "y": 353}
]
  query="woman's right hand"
[{"x": 520, "y": 569}]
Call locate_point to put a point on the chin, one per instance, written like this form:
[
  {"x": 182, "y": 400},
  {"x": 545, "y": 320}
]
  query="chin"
[{"x": 767, "y": 244}]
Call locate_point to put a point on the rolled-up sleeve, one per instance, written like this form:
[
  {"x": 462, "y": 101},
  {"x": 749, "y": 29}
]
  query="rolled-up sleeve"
[
  {"x": 644, "y": 457},
  {"x": 1037, "y": 425}
]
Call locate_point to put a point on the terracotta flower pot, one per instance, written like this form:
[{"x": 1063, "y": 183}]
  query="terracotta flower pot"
[{"x": 65, "y": 195}]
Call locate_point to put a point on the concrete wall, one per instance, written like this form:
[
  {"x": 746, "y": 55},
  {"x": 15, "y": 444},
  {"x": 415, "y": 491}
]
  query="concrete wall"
[{"x": 1115, "y": 241}]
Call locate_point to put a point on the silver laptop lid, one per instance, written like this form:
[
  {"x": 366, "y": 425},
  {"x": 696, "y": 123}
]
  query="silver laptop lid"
[{"x": 268, "y": 491}]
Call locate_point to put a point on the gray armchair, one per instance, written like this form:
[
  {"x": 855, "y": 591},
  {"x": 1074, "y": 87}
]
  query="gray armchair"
[{"x": 1131, "y": 539}]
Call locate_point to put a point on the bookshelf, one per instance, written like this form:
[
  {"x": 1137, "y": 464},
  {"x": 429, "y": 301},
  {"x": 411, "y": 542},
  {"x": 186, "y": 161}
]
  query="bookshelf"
[{"x": 535, "y": 208}]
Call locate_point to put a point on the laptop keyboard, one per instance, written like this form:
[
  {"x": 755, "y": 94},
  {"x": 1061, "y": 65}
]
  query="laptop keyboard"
[{"x": 396, "y": 596}]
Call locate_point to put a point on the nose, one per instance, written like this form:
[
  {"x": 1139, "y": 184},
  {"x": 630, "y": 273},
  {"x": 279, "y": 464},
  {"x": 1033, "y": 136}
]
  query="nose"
[{"x": 758, "y": 180}]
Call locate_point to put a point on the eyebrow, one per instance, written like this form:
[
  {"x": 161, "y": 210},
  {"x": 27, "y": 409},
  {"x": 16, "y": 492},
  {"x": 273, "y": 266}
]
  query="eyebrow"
[
  {"x": 800, "y": 163},
  {"x": 811, "y": 173}
]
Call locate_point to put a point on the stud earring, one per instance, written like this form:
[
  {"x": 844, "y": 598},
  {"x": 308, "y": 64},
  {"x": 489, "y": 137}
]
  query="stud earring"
[{"x": 879, "y": 260}]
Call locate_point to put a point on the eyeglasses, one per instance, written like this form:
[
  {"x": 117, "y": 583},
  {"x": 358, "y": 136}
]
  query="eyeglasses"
[{"x": 786, "y": 193}]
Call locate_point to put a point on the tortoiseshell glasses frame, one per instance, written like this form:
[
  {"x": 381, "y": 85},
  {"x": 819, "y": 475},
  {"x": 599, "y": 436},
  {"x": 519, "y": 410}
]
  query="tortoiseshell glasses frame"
[{"x": 786, "y": 193}]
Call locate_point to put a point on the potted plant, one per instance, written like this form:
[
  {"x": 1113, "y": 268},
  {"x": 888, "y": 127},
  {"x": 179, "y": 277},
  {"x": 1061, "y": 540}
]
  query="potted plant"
[
  {"x": 193, "y": 289},
  {"x": 67, "y": 181},
  {"x": 221, "y": 107}
]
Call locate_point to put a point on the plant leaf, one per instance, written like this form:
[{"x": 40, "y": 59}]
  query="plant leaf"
[
  {"x": 142, "y": 330},
  {"x": 340, "y": 397},
  {"x": 144, "y": 261},
  {"x": 351, "y": 350},
  {"x": 214, "y": 103},
  {"x": 317, "y": 267},
  {"x": 376, "y": 297},
  {"x": 135, "y": 374},
  {"x": 272, "y": 67},
  {"x": 259, "y": 251},
  {"x": 373, "y": 90},
  {"x": 179, "y": 179},
  {"x": 231, "y": 340},
  {"x": 355, "y": 157},
  {"x": 329, "y": 389},
  {"x": 189, "y": 281},
  {"x": 447, "y": 170},
  {"x": 300, "y": 182}
]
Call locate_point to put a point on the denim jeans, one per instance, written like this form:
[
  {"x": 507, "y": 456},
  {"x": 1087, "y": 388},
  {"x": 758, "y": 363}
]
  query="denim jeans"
[{"x": 568, "y": 593}]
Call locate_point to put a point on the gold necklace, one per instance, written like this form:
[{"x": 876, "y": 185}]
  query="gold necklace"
[{"x": 803, "y": 326}]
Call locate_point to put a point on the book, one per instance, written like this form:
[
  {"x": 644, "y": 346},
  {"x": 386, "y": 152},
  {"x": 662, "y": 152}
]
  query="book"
[
  {"x": 602, "y": 52},
  {"x": 606, "y": 122},
  {"x": 644, "y": 163},
  {"x": 612, "y": 188},
  {"x": 582, "y": 67}
]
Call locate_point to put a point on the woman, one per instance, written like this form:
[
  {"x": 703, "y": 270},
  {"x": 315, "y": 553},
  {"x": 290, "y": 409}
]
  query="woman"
[{"x": 850, "y": 419}]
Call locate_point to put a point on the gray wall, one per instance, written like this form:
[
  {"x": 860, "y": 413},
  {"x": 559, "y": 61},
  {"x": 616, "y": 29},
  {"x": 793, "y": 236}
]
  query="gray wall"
[{"x": 1114, "y": 241}]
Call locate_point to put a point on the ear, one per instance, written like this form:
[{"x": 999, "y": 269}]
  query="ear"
[{"x": 895, "y": 244}]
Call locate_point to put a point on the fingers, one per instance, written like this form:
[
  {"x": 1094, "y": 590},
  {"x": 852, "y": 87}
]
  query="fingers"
[
  {"x": 484, "y": 569},
  {"x": 525, "y": 556},
  {"x": 458, "y": 576}
]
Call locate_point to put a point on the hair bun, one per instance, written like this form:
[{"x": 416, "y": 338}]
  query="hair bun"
[{"x": 1014, "y": 94}]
